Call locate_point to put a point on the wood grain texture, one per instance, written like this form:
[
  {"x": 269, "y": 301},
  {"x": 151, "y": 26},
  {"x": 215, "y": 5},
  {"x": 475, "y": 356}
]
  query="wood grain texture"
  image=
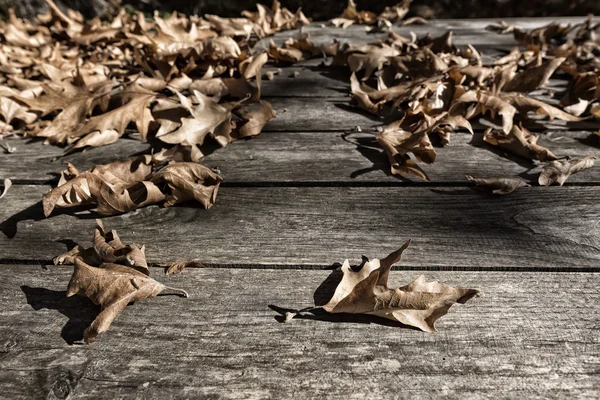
[
  {"x": 317, "y": 80},
  {"x": 296, "y": 114},
  {"x": 533, "y": 228},
  {"x": 465, "y": 31},
  {"x": 299, "y": 199},
  {"x": 531, "y": 336},
  {"x": 319, "y": 157}
]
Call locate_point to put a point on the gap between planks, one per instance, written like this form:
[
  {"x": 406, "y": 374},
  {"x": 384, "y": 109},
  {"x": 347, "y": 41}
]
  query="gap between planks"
[
  {"x": 325, "y": 184},
  {"x": 47, "y": 264}
]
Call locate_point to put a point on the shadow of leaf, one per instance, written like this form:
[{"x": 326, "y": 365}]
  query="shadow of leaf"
[
  {"x": 35, "y": 212},
  {"x": 322, "y": 296},
  {"x": 80, "y": 310}
]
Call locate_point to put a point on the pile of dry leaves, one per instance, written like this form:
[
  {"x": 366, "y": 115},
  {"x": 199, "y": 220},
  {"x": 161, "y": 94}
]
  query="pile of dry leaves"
[
  {"x": 425, "y": 87},
  {"x": 174, "y": 81},
  {"x": 179, "y": 81},
  {"x": 428, "y": 87}
]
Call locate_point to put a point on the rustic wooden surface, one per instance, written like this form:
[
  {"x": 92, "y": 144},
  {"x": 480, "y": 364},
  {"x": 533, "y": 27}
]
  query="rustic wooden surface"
[
  {"x": 532, "y": 335},
  {"x": 305, "y": 195}
]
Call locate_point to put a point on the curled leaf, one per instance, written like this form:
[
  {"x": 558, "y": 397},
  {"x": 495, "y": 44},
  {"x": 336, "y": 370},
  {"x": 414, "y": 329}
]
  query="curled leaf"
[
  {"x": 123, "y": 186},
  {"x": 520, "y": 142},
  {"x": 113, "y": 287},
  {"x": 559, "y": 170},
  {"x": 176, "y": 267},
  {"x": 365, "y": 291},
  {"x": 107, "y": 248},
  {"x": 398, "y": 143},
  {"x": 498, "y": 186}
]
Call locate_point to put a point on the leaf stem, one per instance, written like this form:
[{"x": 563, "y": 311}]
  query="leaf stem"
[{"x": 169, "y": 291}]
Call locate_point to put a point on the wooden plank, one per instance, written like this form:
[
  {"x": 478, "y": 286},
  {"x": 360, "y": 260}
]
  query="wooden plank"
[
  {"x": 465, "y": 31},
  {"x": 315, "y": 157},
  {"x": 312, "y": 78},
  {"x": 451, "y": 227},
  {"x": 336, "y": 114},
  {"x": 532, "y": 335}
]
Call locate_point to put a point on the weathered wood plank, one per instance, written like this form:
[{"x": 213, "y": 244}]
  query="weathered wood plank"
[
  {"x": 336, "y": 114},
  {"x": 466, "y": 31},
  {"x": 533, "y": 228},
  {"x": 531, "y": 336},
  {"x": 312, "y": 79},
  {"x": 315, "y": 157}
]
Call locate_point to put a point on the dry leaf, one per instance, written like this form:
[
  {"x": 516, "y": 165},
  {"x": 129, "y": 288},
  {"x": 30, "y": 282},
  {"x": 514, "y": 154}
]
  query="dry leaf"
[
  {"x": 558, "y": 171},
  {"x": 533, "y": 77},
  {"x": 499, "y": 186},
  {"x": 113, "y": 287},
  {"x": 177, "y": 267},
  {"x": 525, "y": 104},
  {"x": 188, "y": 181},
  {"x": 494, "y": 104},
  {"x": 123, "y": 186},
  {"x": 107, "y": 248},
  {"x": 255, "y": 118},
  {"x": 207, "y": 117},
  {"x": 365, "y": 291},
  {"x": 520, "y": 142},
  {"x": 398, "y": 143}
]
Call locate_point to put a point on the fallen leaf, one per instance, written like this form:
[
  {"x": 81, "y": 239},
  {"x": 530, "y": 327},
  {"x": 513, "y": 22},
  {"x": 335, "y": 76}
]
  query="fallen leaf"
[
  {"x": 123, "y": 186},
  {"x": 533, "y": 77},
  {"x": 558, "y": 171},
  {"x": 520, "y": 142},
  {"x": 177, "y": 267},
  {"x": 494, "y": 104},
  {"x": 107, "y": 248},
  {"x": 113, "y": 287},
  {"x": 398, "y": 143},
  {"x": 366, "y": 291},
  {"x": 207, "y": 117},
  {"x": 499, "y": 186},
  {"x": 255, "y": 118},
  {"x": 188, "y": 181}
]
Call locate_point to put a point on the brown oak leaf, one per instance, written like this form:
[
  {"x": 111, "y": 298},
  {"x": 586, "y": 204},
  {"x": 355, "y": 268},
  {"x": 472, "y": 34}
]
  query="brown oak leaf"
[
  {"x": 398, "y": 143},
  {"x": 520, "y": 142},
  {"x": 123, "y": 186},
  {"x": 500, "y": 186},
  {"x": 558, "y": 171},
  {"x": 366, "y": 291},
  {"x": 207, "y": 117},
  {"x": 112, "y": 287},
  {"x": 107, "y": 248}
]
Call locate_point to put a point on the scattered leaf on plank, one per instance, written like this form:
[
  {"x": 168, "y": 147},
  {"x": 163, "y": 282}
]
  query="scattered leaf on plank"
[
  {"x": 124, "y": 186},
  {"x": 558, "y": 171},
  {"x": 107, "y": 248},
  {"x": 365, "y": 291},
  {"x": 519, "y": 141},
  {"x": 499, "y": 186},
  {"x": 112, "y": 275},
  {"x": 113, "y": 287},
  {"x": 398, "y": 144}
]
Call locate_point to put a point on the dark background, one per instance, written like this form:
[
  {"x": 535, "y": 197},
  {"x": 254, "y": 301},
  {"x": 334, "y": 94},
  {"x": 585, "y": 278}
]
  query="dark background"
[{"x": 325, "y": 9}]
